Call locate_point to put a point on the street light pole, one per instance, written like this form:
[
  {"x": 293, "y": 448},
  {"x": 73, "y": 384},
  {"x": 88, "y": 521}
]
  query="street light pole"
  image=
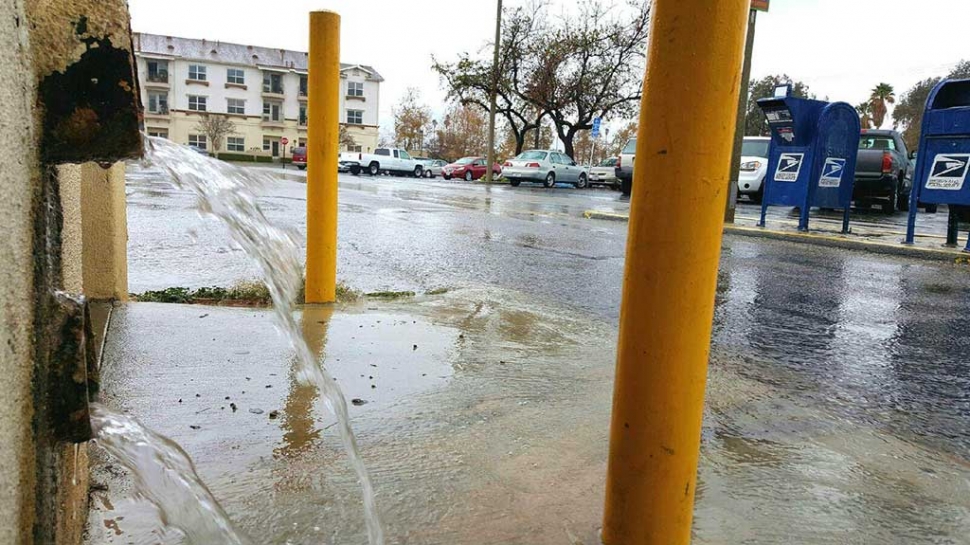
[
  {"x": 490, "y": 156},
  {"x": 732, "y": 192}
]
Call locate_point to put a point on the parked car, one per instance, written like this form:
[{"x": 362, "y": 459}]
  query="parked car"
[
  {"x": 469, "y": 168},
  {"x": 391, "y": 160},
  {"x": 547, "y": 167},
  {"x": 432, "y": 167},
  {"x": 881, "y": 169},
  {"x": 624, "y": 166},
  {"x": 299, "y": 157},
  {"x": 605, "y": 173},
  {"x": 754, "y": 166}
]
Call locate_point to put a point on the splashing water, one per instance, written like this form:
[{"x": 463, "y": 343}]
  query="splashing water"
[
  {"x": 165, "y": 476},
  {"x": 225, "y": 192}
]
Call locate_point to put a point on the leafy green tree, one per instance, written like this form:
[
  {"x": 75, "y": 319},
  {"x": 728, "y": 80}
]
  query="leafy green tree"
[
  {"x": 908, "y": 114},
  {"x": 755, "y": 123},
  {"x": 882, "y": 95}
]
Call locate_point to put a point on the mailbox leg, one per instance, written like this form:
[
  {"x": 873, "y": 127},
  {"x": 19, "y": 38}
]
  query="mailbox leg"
[
  {"x": 952, "y": 228},
  {"x": 967, "y": 249},
  {"x": 764, "y": 204},
  {"x": 845, "y": 220},
  {"x": 803, "y": 215},
  {"x": 913, "y": 208}
]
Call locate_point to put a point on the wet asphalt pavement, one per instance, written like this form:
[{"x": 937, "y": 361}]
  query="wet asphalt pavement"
[{"x": 839, "y": 403}]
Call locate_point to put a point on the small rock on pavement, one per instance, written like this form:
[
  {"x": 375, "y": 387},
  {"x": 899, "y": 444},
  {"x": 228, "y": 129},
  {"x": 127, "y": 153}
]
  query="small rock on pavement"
[
  {"x": 194, "y": 427},
  {"x": 233, "y": 407},
  {"x": 357, "y": 401},
  {"x": 273, "y": 415},
  {"x": 256, "y": 411}
]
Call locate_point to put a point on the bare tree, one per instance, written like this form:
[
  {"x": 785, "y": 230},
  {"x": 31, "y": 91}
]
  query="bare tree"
[
  {"x": 215, "y": 128},
  {"x": 345, "y": 138},
  {"x": 570, "y": 69}
]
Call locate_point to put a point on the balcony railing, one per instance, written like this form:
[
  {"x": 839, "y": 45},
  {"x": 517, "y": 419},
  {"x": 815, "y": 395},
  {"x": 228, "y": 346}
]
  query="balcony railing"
[
  {"x": 159, "y": 110},
  {"x": 160, "y": 76},
  {"x": 274, "y": 89}
]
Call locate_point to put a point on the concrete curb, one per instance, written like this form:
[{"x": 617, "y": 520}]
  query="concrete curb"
[
  {"x": 829, "y": 240},
  {"x": 608, "y": 216}
]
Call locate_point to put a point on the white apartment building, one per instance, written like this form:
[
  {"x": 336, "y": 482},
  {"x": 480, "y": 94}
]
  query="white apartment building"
[{"x": 262, "y": 90}]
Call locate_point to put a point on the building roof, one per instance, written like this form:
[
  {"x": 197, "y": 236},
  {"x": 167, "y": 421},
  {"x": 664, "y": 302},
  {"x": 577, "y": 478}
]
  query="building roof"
[{"x": 230, "y": 53}]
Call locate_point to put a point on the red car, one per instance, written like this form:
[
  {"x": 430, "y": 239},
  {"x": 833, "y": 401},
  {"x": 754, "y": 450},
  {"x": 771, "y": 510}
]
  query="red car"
[
  {"x": 469, "y": 168},
  {"x": 299, "y": 157}
]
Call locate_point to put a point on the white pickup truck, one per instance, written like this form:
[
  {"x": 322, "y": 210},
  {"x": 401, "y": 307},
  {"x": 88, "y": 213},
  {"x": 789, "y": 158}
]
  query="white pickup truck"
[{"x": 390, "y": 160}]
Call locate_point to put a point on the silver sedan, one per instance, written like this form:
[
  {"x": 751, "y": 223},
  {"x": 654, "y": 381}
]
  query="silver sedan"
[{"x": 547, "y": 167}]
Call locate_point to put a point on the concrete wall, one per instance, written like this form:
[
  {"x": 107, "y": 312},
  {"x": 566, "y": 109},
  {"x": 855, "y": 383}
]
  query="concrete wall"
[
  {"x": 104, "y": 232},
  {"x": 18, "y": 180}
]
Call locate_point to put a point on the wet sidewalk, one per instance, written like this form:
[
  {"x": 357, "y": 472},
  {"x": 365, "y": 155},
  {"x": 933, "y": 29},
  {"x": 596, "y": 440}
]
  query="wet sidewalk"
[
  {"x": 482, "y": 415},
  {"x": 870, "y": 230}
]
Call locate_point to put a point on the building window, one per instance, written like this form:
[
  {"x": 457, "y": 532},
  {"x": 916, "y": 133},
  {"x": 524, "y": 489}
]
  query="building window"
[
  {"x": 354, "y": 149},
  {"x": 158, "y": 103},
  {"x": 355, "y": 89},
  {"x": 197, "y": 103},
  {"x": 236, "y": 143},
  {"x": 302, "y": 142},
  {"x": 273, "y": 83},
  {"x": 303, "y": 115},
  {"x": 272, "y": 111},
  {"x": 158, "y": 133},
  {"x": 198, "y": 140},
  {"x": 236, "y": 75},
  {"x": 235, "y": 105},
  {"x": 272, "y": 145},
  {"x": 303, "y": 86},
  {"x": 196, "y": 72},
  {"x": 355, "y": 117},
  {"x": 158, "y": 71},
  {"x": 267, "y": 142}
]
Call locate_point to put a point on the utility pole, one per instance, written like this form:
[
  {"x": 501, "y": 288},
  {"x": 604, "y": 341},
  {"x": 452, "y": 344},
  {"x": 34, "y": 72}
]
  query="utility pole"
[
  {"x": 490, "y": 156},
  {"x": 735, "y": 171}
]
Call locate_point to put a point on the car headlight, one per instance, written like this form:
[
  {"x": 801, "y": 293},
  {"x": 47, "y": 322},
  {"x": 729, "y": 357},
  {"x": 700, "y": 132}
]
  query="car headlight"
[{"x": 751, "y": 166}]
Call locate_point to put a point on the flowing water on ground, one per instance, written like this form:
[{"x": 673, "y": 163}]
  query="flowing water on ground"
[{"x": 226, "y": 193}]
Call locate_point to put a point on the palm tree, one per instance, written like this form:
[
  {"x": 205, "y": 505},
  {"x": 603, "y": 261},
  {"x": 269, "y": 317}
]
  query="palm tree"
[
  {"x": 882, "y": 95},
  {"x": 865, "y": 115}
]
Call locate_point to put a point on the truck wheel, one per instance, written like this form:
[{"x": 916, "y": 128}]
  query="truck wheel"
[
  {"x": 550, "y": 180},
  {"x": 626, "y": 186},
  {"x": 889, "y": 205},
  {"x": 930, "y": 208},
  {"x": 418, "y": 171},
  {"x": 355, "y": 170},
  {"x": 374, "y": 169}
]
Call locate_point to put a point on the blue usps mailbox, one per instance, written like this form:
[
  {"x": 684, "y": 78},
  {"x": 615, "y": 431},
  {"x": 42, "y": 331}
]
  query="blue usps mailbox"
[
  {"x": 942, "y": 166},
  {"x": 812, "y": 156}
]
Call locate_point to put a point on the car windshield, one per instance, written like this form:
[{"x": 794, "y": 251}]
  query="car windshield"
[
  {"x": 532, "y": 156},
  {"x": 631, "y": 147},
  {"x": 299, "y": 151},
  {"x": 755, "y": 148},
  {"x": 877, "y": 142},
  {"x": 610, "y": 162},
  {"x": 465, "y": 160}
]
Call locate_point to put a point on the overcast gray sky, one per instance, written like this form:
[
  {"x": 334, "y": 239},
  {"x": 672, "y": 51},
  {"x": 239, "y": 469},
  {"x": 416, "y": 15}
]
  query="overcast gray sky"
[{"x": 841, "y": 48}]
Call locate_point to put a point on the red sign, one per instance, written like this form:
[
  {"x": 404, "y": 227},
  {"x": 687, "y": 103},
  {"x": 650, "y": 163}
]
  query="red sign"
[
  {"x": 284, "y": 141},
  {"x": 760, "y": 5}
]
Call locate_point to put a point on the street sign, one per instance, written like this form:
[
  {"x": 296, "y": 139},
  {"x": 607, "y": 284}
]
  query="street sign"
[
  {"x": 284, "y": 141},
  {"x": 596, "y": 127},
  {"x": 760, "y": 5}
]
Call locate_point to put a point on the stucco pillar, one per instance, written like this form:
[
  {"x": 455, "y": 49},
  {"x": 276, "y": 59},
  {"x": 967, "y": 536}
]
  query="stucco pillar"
[{"x": 105, "y": 231}]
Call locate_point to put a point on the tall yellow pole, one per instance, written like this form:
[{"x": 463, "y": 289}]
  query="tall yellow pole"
[
  {"x": 687, "y": 120},
  {"x": 322, "y": 150}
]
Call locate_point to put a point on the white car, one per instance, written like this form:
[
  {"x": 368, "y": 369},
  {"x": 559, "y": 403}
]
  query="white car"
[
  {"x": 605, "y": 173},
  {"x": 754, "y": 166},
  {"x": 432, "y": 167},
  {"x": 548, "y": 167}
]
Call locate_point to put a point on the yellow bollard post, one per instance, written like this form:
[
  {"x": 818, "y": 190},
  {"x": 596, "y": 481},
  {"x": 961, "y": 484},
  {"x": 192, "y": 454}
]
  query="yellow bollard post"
[
  {"x": 687, "y": 120},
  {"x": 322, "y": 150}
]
